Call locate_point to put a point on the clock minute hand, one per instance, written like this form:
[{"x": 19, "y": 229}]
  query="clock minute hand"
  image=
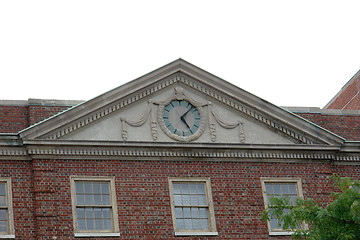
[{"x": 187, "y": 112}]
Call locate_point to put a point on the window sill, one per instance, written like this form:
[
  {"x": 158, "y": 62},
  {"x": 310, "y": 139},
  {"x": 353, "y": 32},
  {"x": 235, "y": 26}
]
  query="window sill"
[
  {"x": 97, "y": 234},
  {"x": 7, "y": 236},
  {"x": 280, "y": 233},
  {"x": 196, "y": 233}
]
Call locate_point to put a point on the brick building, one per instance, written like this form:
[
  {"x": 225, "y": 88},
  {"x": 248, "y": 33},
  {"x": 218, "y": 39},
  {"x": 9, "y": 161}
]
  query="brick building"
[{"x": 175, "y": 154}]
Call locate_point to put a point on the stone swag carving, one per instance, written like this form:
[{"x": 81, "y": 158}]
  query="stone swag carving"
[{"x": 153, "y": 111}]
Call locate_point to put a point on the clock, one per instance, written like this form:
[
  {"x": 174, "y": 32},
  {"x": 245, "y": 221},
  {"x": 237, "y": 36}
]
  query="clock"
[{"x": 181, "y": 120}]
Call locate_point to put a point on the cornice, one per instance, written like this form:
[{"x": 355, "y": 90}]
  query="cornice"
[
  {"x": 10, "y": 153},
  {"x": 45, "y": 149}
]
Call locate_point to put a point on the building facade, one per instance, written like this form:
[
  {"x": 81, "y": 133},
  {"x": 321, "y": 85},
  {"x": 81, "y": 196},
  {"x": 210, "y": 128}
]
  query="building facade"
[{"x": 175, "y": 154}]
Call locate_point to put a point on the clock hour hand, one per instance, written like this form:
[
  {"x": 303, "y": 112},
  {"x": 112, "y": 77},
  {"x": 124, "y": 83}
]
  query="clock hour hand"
[
  {"x": 183, "y": 117},
  {"x": 183, "y": 120}
]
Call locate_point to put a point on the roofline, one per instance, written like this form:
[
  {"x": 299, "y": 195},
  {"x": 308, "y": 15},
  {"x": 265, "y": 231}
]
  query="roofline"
[
  {"x": 342, "y": 89},
  {"x": 206, "y": 78}
]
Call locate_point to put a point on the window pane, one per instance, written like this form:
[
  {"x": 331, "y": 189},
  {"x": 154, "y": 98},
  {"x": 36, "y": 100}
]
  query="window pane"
[
  {"x": 187, "y": 213},
  {"x": 285, "y": 189},
  {"x": 89, "y": 213},
  {"x": 107, "y": 224},
  {"x": 80, "y": 199},
  {"x": 88, "y": 187},
  {"x": 97, "y": 212},
  {"x": 293, "y": 199},
  {"x": 89, "y": 200},
  {"x": 188, "y": 224},
  {"x": 201, "y": 188},
  {"x": 79, "y": 187},
  {"x": 106, "y": 200},
  {"x": 274, "y": 224},
  {"x": 292, "y": 188},
  {"x": 97, "y": 200},
  {"x": 96, "y": 188},
  {"x": 105, "y": 188},
  {"x": 186, "y": 199},
  {"x": 196, "y": 224},
  {"x": 269, "y": 189},
  {"x": 2, "y": 201},
  {"x": 177, "y": 188},
  {"x": 177, "y": 199},
  {"x": 80, "y": 212},
  {"x": 90, "y": 224},
  {"x": 106, "y": 213},
  {"x": 179, "y": 212},
  {"x": 81, "y": 224},
  {"x": 203, "y": 213},
  {"x": 193, "y": 188},
  {"x": 276, "y": 188},
  {"x": 180, "y": 223},
  {"x": 3, "y": 226},
  {"x": 195, "y": 213},
  {"x": 194, "y": 200},
  {"x": 202, "y": 200},
  {"x": 2, "y": 189},
  {"x": 98, "y": 224},
  {"x": 204, "y": 224},
  {"x": 3, "y": 214},
  {"x": 185, "y": 188}
]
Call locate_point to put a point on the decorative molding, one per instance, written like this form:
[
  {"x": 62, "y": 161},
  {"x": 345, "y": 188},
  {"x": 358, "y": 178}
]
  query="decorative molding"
[
  {"x": 137, "y": 123},
  {"x": 182, "y": 154},
  {"x": 179, "y": 94},
  {"x": 224, "y": 124},
  {"x": 13, "y": 152},
  {"x": 268, "y": 121}
]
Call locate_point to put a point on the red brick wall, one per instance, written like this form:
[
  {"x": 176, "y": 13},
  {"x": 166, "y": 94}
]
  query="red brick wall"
[
  {"x": 346, "y": 126},
  {"x": 13, "y": 118},
  {"x": 16, "y": 118},
  {"x": 22, "y": 196},
  {"x": 37, "y": 113},
  {"x": 348, "y": 99},
  {"x": 143, "y": 194}
]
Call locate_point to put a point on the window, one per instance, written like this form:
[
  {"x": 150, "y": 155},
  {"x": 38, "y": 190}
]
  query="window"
[
  {"x": 94, "y": 206},
  {"x": 192, "y": 207},
  {"x": 6, "y": 212},
  {"x": 280, "y": 187}
]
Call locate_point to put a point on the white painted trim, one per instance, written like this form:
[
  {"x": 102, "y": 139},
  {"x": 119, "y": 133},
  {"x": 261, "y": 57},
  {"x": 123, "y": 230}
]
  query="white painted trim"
[
  {"x": 7, "y": 236},
  {"x": 196, "y": 233},
  {"x": 97, "y": 234},
  {"x": 280, "y": 233}
]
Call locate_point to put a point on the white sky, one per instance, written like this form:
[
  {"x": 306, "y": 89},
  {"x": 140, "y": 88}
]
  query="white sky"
[{"x": 290, "y": 53}]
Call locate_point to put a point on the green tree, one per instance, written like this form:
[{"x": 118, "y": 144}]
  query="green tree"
[{"x": 340, "y": 219}]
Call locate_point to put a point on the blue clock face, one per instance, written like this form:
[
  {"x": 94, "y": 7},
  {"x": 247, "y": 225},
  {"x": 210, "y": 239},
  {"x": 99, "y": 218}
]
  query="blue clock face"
[{"x": 181, "y": 118}]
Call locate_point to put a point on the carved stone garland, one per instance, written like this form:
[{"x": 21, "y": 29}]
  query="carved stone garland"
[{"x": 179, "y": 94}]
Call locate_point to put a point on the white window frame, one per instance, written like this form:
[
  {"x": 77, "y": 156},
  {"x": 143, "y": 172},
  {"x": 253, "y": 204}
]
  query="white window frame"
[
  {"x": 8, "y": 191},
  {"x": 210, "y": 208},
  {"x": 299, "y": 193},
  {"x": 114, "y": 212}
]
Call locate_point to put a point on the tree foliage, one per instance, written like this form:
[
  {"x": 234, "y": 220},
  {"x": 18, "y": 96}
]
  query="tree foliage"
[{"x": 340, "y": 219}]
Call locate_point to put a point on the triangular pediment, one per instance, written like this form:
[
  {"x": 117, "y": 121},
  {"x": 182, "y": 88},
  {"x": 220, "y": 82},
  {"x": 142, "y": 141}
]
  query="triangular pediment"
[{"x": 180, "y": 103}]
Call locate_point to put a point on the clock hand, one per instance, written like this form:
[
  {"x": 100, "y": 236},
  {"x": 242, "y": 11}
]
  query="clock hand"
[
  {"x": 187, "y": 112},
  {"x": 183, "y": 117},
  {"x": 184, "y": 121}
]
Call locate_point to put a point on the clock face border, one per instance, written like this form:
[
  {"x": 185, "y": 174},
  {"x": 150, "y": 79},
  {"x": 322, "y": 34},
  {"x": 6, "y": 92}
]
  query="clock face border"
[{"x": 189, "y": 137}]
